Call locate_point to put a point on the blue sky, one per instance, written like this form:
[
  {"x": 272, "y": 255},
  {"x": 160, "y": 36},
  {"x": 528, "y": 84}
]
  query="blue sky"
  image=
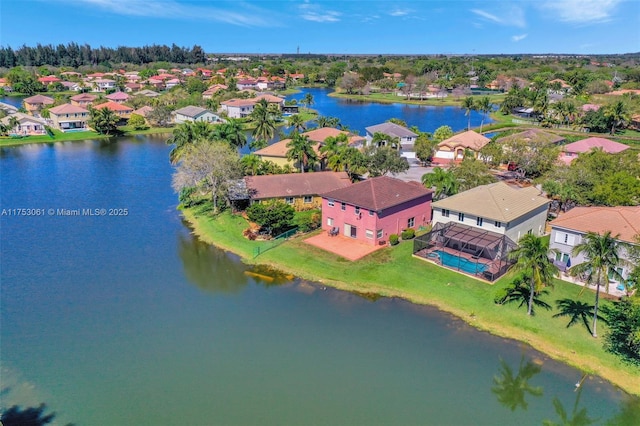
[{"x": 316, "y": 26}]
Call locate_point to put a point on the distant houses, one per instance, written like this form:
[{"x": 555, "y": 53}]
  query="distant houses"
[
  {"x": 193, "y": 114},
  {"x": 35, "y": 104},
  {"x": 571, "y": 151},
  {"x": 25, "y": 124}
]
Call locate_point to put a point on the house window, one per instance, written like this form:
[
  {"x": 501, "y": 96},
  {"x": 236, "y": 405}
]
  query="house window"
[
  {"x": 329, "y": 221},
  {"x": 379, "y": 233},
  {"x": 343, "y": 206},
  {"x": 289, "y": 200},
  {"x": 411, "y": 222},
  {"x": 308, "y": 199},
  {"x": 479, "y": 221},
  {"x": 330, "y": 203},
  {"x": 368, "y": 233},
  {"x": 371, "y": 213},
  {"x": 498, "y": 224},
  {"x": 445, "y": 213},
  {"x": 530, "y": 231},
  {"x": 461, "y": 217},
  {"x": 357, "y": 210}
]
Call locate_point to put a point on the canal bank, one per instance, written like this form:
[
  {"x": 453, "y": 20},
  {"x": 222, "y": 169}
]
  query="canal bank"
[{"x": 392, "y": 272}]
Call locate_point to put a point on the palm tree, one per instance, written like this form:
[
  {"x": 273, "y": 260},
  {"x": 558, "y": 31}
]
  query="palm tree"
[
  {"x": 519, "y": 291},
  {"x": 308, "y": 99},
  {"x": 13, "y": 123},
  {"x": 263, "y": 120},
  {"x": 576, "y": 310},
  {"x": 602, "y": 256},
  {"x": 484, "y": 106},
  {"x": 322, "y": 121},
  {"x": 444, "y": 182},
  {"x": 511, "y": 389},
  {"x": 251, "y": 164},
  {"x": 469, "y": 105},
  {"x": 381, "y": 139},
  {"x": 232, "y": 132},
  {"x": 618, "y": 113},
  {"x": 532, "y": 258},
  {"x": 300, "y": 149},
  {"x": 297, "y": 122}
]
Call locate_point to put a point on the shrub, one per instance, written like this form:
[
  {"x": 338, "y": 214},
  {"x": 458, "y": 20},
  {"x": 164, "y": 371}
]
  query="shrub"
[
  {"x": 408, "y": 234},
  {"x": 393, "y": 239},
  {"x": 307, "y": 220},
  {"x": 274, "y": 216}
]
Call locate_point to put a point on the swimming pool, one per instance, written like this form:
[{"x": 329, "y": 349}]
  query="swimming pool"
[{"x": 460, "y": 263}]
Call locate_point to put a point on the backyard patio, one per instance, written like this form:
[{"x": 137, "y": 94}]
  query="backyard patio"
[{"x": 341, "y": 245}]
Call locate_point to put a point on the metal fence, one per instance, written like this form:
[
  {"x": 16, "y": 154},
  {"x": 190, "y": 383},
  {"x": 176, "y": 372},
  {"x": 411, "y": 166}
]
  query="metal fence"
[{"x": 276, "y": 241}]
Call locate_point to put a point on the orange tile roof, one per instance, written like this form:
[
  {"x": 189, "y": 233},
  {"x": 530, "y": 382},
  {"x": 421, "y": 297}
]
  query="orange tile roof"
[
  {"x": 67, "y": 109},
  {"x": 279, "y": 149},
  {"x": 624, "y": 221},
  {"x": 114, "y": 106},
  {"x": 468, "y": 139},
  {"x": 39, "y": 99}
]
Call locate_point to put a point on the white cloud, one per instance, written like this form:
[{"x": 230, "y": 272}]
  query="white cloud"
[
  {"x": 314, "y": 13},
  {"x": 581, "y": 11},
  {"x": 399, "y": 12},
  {"x": 517, "y": 38},
  {"x": 509, "y": 15},
  {"x": 248, "y": 17}
]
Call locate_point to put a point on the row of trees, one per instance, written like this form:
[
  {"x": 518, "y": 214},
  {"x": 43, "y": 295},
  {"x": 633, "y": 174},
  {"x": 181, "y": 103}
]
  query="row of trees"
[
  {"x": 602, "y": 254},
  {"x": 75, "y": 55}
]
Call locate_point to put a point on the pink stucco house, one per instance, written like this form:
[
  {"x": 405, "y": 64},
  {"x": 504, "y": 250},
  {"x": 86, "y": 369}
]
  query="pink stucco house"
[{"x": 372, "y": 210}]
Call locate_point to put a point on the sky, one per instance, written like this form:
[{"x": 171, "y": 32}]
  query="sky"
[{"x": 341, "y": 27}]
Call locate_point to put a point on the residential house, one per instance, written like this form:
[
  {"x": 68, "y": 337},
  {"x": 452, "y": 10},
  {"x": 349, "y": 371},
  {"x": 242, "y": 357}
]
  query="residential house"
[
  {"x": 497, "y": 208},
  {"x": 26, "y": 124},
  {"x": 157, "y": 83},
  {"x": 171, "y": 83},
  {"x": 237, "y": 108},
  {"x": 300, "y": 190},
  {"x": 148, "y": 93},
  {"x": 50, "y": 79},
  {"x": 8, "y": 108},
  {"x": 590, "y": 107},
  {"x": 247, "y": 84},
  {"x": 571, "y": 151},
  {"x": 194, "y": 113},
  {"x": 132, "y": 87},
  {"x": 118, "y": 97},
  {"x": 121, "y": 110},
  {"x": 4, "y": 82},
  {"x": 405, "y": 136},
  {"x": 208, "y": 94},
  {"x": 34, "y": 104},
  {"x": 69, "y": 117},
  {"x": 533, "y": 136},
  {"x": 372, "y": 210},
  {"x": 143, "y": 111},
  {"x": 71, "y": 85},
  {"x": 569, "y": 229},
  {"x": 277, "y": 152},
  {"x": 83, "y": 99},
  {"x": 103, "y": 84},
  {"x": 454, "y": 148}
]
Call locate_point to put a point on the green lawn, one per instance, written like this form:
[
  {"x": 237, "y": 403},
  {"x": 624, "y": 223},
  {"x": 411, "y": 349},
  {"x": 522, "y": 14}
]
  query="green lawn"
[{"x": 393, "y": 272}]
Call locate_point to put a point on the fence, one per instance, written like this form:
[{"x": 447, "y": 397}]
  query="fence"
[{"x": 276, "y": 241}]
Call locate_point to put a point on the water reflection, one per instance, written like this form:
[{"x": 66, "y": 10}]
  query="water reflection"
[
  {"x": 209, "y": 268},
  {"x": 218, "y": 271},
  {"x": 577, "y": 417},
  {"x": 512, "y": 390},
  {"x": 629, "y": 414}
]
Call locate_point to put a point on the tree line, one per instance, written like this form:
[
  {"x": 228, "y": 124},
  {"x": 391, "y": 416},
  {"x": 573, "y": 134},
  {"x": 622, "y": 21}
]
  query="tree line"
[{"x": 75, "y": 55}]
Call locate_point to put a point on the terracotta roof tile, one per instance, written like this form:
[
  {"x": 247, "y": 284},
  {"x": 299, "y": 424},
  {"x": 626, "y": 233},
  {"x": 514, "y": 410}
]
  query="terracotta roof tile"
[
  {"x": 624, "y": 221},
  {"x": 468, "y": 139},
  {"x": 379, "y": 193},
  {"x": 295, "y": 184},
  {"x": 67, "y": 109},
  {"x": 114, "y": 106},
  {"x": 586, "y": 145}
]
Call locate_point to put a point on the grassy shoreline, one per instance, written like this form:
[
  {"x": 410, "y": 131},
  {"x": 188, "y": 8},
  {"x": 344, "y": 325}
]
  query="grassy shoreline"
[
  {"x": 393, "y": 272},
  {"x": 79, "y": 136}
]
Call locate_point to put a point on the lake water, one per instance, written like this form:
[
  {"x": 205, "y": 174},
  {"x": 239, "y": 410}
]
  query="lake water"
[
  {"x": 130, "y": 320},
  {"x": 359, "y": 115}
]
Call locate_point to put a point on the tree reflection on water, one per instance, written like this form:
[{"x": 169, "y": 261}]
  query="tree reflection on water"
[{"x": 511, "y": 389}]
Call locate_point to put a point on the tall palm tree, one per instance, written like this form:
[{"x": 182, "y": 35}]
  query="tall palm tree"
[
  {"x": 444, "y": 182},
  {"x": 484, "y": 106},
  {"x": 13, "y": 123},
  {"x": 602, "y": 256},
  {"x": 297, "y": 122},
  {"x": 532, "y": 258},
  {"x": 469, "y": 105},
  {"x": 308, "y": 99},
  {"x": 232, "y": 132},
  {"x": 618, "y": 113},
  {"x": 300, "y": 149},
  {"x": 263, "y": 120}
]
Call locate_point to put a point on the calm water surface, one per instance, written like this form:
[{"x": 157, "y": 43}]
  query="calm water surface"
[{"x": 130, "y": 320}]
